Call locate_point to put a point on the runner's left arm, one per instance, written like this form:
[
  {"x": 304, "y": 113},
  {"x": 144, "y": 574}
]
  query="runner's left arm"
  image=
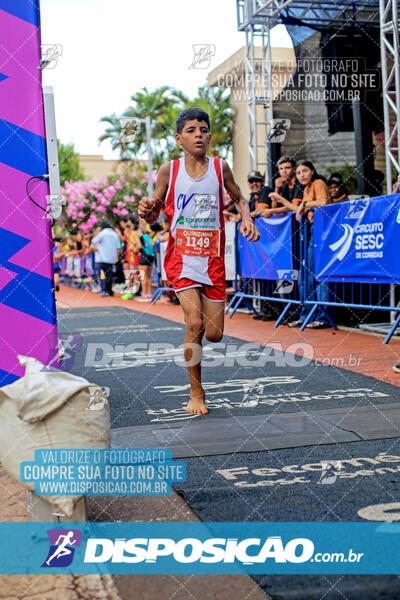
[{"x": 247, "y": 227}]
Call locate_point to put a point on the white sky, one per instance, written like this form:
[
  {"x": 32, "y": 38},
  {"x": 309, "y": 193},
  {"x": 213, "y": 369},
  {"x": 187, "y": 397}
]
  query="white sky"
[{"x": 112, "y": 48}]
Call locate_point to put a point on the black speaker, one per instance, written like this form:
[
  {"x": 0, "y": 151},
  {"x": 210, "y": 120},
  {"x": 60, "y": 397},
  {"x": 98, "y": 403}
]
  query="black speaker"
[{"x": 363, "y": 47}]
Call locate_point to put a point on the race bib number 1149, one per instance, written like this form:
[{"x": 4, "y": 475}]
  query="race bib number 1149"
[{"x": 197, "y": 242}]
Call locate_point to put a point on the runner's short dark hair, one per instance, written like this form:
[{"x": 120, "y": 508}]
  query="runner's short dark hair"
[
  {"x": 191, "y": 114},
  {"x": 285, "y": 159}
]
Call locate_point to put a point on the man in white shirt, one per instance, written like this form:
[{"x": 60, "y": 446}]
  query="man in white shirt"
[{"x": 107, "y": 244}]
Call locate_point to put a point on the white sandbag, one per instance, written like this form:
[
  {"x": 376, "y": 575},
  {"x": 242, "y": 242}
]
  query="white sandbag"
[{"x": 49, "y": 409}]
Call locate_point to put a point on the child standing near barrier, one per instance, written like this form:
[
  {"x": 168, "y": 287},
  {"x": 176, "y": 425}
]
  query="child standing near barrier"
[
  {"x": 146, "y": 259},
  {"x": 192, "y": 188},
  {"x": 132, "y": 246}
]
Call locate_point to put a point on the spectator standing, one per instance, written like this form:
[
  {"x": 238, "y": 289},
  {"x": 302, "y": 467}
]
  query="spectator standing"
[
  {"x": 315, "y": 194},
  {"x": 77, "y": 258},
  {"x": 56, "y": 264},
  {"x": 336, "y": 187},
  {"x": 98, "y": 279},
  {"x": 133, "y": 221},
  {"x": 108, "y": 245},
  {"x": 132, "y": 247},
  {"x": 146, "y": 259},
  {"x": 120, "y": 265},
  {"x": 259, "y": 203},
  {"x": 259, "y": 194},
  {"x": 286, "y": 185},
  {"x": 88, "y": 259}
]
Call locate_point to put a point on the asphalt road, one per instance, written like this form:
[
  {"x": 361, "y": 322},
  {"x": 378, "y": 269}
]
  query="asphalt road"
[{"x": 138, "y": 359}]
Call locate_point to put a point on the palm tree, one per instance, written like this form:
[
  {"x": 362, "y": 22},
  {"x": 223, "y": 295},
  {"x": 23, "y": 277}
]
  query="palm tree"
[
  {"x": 163, "y": 106},
  {"x": 156, "y": 105},
  {"x": 113, "y": 133}
]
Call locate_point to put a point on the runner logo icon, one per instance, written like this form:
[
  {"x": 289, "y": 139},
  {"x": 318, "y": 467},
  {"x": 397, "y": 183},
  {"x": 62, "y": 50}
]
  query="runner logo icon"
[
  {"x": 357, "y": 208},
  {"x": 343, "y": 244},
  {"x": 62, "y": 547}
]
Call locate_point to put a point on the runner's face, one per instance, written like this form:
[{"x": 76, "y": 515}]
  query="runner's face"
[
  {"x": 286, "y": 171},
  {"x": 195, "y": 137}
]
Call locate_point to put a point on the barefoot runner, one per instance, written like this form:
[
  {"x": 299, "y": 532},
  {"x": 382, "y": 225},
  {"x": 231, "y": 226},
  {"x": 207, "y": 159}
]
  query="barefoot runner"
[{"x": 192, "y": 189}]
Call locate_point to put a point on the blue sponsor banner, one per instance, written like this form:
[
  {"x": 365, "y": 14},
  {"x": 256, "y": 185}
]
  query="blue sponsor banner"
[
  {"x": 358, "y": 241},
  {"x": 199, "y": 548},
  {"x": 271, "y": 256}
]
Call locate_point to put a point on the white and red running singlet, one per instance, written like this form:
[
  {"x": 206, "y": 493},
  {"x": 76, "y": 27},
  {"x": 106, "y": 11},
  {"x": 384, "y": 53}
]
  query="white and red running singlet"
[{"x": 195, "y": 254}]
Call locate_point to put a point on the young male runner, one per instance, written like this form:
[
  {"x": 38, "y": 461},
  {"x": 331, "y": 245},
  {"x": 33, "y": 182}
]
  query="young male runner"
[{"x": 193, "y": 190}]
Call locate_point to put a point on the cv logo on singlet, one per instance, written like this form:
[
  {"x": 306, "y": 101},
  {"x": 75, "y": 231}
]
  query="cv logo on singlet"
[{"x": 183, "y": 201}]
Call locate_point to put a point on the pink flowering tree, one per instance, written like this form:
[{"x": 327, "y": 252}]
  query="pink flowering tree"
[{"x": 88, "y": 202}]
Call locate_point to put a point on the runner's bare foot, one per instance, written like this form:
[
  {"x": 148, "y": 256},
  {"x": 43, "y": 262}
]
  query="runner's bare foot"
[{"x": 197, "y": 405}]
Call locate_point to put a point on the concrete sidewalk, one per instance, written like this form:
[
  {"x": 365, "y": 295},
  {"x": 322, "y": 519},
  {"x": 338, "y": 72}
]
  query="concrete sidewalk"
[{"x": 13, "y": 507}]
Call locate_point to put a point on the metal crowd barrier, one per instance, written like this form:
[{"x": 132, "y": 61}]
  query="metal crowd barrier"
[
  {"x": 369, "y": 296},
  {"x": 283, "y": 291},
  {"x": 353, "y": 295},
  {"x": 162, "y": 287},
  {"x": 82, "y": 266},
  {"x": 230, "y": 262}
]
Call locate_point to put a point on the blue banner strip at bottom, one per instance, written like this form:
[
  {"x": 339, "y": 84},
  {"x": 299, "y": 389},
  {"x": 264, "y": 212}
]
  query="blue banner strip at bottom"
[{"x": 196, "y": 548}]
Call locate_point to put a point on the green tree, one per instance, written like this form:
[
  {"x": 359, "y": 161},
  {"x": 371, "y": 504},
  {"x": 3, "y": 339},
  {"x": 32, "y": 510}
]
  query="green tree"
[
  {"x": 155, "y": 104},
  {"x": 113, "y": 134},
  {"x": 68, "y": 159},
  {"x": 163, "y": 106}
]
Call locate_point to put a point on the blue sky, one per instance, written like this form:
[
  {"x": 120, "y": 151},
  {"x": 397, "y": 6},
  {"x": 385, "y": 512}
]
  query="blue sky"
[{"x": 112, "y": 48}]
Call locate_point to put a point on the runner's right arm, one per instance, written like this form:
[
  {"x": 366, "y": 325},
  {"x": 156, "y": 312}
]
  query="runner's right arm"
[{"x": 150, "y": 209}]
